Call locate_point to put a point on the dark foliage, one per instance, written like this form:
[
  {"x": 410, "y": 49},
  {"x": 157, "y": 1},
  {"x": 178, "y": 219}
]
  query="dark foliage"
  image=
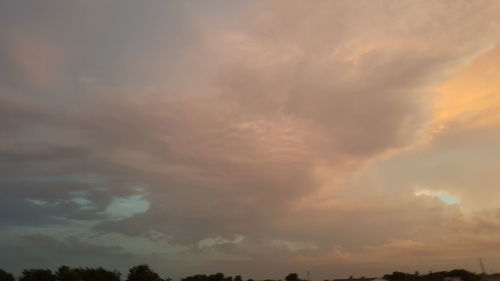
[
  {"x": 65, "y": 273},
  {"x": 97, "y": 274},
  {"x": 142, "y": 273},
  {"x": 6, "y": 276},
  {"x": 145, "y": 273},
  {"x": 37, "y": 275},
  {"x": 212, "y": 277},
  {"x": 464, "y": 275},
  {"x": 292, "y": 277}
]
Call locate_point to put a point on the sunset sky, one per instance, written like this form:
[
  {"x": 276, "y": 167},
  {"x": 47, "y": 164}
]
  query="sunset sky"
[{"x": 250, "y": 137}]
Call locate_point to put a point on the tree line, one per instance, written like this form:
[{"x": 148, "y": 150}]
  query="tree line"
[
  {"x": 136, "y": 273},
  {"x": 145, "y": 273},
  {"x": 66, "y": 273},
  {"x": 463, "y": 274}
]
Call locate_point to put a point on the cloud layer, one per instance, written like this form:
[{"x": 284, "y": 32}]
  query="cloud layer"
[{"x": 281, "y": 136}]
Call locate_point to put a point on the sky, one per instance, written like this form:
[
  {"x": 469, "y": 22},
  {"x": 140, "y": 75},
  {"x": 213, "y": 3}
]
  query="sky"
[{"x": 250, "y": 137}]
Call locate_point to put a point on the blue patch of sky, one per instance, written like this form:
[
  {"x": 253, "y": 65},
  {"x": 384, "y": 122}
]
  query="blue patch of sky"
[
  {"x": 444, "y": 196},
  {"x": 448, "y": 199},
  {"x": 123, "y": 207}
]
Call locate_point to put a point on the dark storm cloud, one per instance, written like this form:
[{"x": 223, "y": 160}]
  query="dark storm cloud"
[
  {"x": 70, "y": 246},
  {"x": 38, "y": 249}
]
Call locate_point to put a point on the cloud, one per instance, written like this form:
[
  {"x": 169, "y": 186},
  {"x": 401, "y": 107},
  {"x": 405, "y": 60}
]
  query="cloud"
[
  {"x": 275, "y": 130},
  {"x": 38, "y": 250}
]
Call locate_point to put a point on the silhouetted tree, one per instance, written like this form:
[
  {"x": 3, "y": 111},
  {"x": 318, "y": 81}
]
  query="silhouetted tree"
[
  {"x": 213, "y": 277},
  {"x": 65, "y": 273},
  {"x": 142, "y": 273},
  {"x": 395, "y": 276},
  {"x": 97, "y": 274},
  {"x": 216, "y": 277},
  {"x": 37, "y": 275},
  {"x": 433, "y": 276},
  {"x": 198, "y": 277},
  {"x": 292, "y": 277},
  {"x": 463, "y": 274},
  {"x": 145, "y": 273},
  {"x": 6, "y": 276}
]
